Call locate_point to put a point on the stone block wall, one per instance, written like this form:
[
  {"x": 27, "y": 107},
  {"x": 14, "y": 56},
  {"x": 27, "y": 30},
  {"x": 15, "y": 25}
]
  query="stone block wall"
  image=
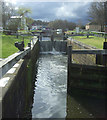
[{"x": 16, "y": 93}]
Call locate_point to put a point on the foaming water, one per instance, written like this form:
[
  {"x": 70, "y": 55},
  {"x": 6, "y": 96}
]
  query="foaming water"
[
  {"x": 50, "y": 93},
  {"x": 50, "y": 90},
  {"x": 53, "y": 52}
]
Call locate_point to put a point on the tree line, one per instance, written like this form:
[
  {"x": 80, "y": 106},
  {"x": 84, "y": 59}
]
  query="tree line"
[
  {"x": 62, "y": 24},
  {"x": 8, "y": 10},
  {"x": 96, "y": 13}
]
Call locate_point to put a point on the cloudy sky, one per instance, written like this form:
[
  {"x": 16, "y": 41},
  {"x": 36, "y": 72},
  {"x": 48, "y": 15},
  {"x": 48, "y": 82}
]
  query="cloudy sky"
[{"x": 49, "y": 10}]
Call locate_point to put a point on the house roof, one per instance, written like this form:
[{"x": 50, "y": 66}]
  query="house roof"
[{"x": 92, "y": 23}]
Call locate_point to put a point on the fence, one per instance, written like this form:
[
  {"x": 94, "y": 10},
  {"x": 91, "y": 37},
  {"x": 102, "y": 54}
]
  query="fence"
[
  {"x": 87, "y": 58},
  {"x": 88, "y": 52},
  {"x": 87, "y": 79}
]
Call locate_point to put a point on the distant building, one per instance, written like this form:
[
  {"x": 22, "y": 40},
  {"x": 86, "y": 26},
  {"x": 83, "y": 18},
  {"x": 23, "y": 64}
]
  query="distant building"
[
  {"x": 59, "y": 31},
  {"x": 1, "y": 29},
  {"x": 93, "y": 27},
  {"x": 77, "y": 29},
  {"x": 22, "y": 21},
  {"x": 37, "y": 27}
]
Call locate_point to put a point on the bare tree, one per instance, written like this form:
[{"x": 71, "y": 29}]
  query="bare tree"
[
  {"x": 96, "y": 13},
  {"x": 62, "y": 24},
  {"x": 7, "y": 11}
]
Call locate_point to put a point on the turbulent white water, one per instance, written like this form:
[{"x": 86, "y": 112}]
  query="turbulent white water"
[
  {"x": 53, "y": 52},
  {"x": 50, "y": 90},
  {"x": 50, "y": 93}
]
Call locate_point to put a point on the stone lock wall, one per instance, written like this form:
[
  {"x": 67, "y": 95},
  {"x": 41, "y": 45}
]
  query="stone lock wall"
[
  {"x": 16, "y": 94},
  {"x": 84, "y": 76}
]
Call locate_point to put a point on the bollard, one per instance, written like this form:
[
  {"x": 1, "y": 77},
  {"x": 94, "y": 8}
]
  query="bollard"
[
  {"x": 40, "y": 36},
  {"x": 20, "y": 45},
  {"x": 69, "y": 66},
  {"x": 29, "y": 44}
]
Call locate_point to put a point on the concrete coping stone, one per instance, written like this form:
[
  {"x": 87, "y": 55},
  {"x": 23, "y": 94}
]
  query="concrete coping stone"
[
  {"x": 13, "y": 56},
  {"x": 11, "y": 71},
  {"x": 16, "y": 65},
  {"x": 4, "y": 81},
  {"x": 8, "y": 78},
  {"x": 8, "y": 63}
]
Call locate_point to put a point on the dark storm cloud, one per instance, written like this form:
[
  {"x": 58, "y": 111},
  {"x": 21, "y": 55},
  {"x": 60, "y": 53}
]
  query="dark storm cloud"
[
  {"x": 42, "y": 10},
  {"x": 46, "y": 11},
  {"x": 82, "y": 12},
  {"x": 72, "y": 11}
]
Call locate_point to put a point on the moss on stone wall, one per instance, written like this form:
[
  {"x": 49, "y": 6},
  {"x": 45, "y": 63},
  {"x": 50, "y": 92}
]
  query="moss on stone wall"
[
  {"x": 19, "y": 94},
  {"x": 88, "y": 80}
]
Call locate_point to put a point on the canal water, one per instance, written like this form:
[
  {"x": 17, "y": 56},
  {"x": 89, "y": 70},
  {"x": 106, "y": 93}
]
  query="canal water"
[
  {"x": 50, "y": 86},
  {"x": 50, "y": 98},
  {"x": 46, "y": 38},
  {"x": 50, "y": 92}
]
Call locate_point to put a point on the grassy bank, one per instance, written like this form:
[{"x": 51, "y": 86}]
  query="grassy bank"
[
  {"x": 8, "y": 47},
  {"x": 92, "y": 41}
]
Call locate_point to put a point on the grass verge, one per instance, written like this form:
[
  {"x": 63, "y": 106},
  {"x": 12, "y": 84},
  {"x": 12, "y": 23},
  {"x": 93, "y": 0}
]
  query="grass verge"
[
  {"x": 8, "y": 48},
  {"x": 92, "y": 41}
]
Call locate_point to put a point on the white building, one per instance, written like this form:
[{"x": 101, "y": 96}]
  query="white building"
[
  {"x": 37, "y": 27},
  {"x": 59, "y": 31},
  {"x": 22, "y": 21}
]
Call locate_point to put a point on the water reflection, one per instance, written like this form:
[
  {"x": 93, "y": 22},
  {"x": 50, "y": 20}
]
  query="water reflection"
[
  {"x": 85, "y": 107},
  {"x": 49, "y": 38},
  {"x": 46, "y": 38},
  {"x": 76, "y": 110},
  {"x": 50, "y": 99},
  {"x": 50, "y": 90}
]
